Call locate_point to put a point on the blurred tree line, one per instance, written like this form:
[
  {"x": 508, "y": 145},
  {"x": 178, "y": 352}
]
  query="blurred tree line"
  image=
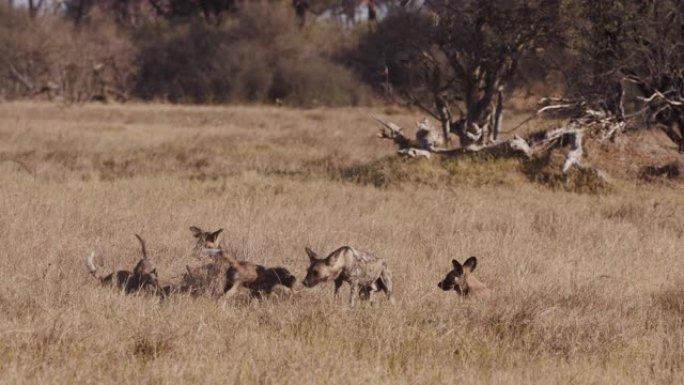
[{"x": 455, "y": 59}]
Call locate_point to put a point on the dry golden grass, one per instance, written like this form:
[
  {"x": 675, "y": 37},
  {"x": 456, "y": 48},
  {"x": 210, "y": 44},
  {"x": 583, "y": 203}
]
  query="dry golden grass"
[{"x": 588, "y": 289}]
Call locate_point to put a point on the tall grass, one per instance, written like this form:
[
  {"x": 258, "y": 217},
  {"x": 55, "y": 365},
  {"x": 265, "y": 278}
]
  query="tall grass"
[{"x": 587, "y": 288}]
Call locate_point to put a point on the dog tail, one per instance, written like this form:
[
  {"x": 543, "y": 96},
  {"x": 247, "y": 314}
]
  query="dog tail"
[
  {"x": 142, "y": 246},
  {"x": 90, "y": 265}
]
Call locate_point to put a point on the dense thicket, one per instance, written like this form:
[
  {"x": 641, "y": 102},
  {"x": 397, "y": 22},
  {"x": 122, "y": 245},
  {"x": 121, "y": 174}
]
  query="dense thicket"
[
  {"x": 255, "y": 54},
  {"x": 447, "y": 56}
]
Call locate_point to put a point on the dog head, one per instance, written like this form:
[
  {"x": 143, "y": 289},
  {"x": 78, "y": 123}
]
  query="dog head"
[
  {"x": 206, "y": 239},
  {"x": 457, "y": 278},
  {"x": 320, "y": 269}
]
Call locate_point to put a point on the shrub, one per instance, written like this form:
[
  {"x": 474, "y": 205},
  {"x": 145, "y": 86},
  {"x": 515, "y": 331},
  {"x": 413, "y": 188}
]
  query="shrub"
[
  {"x": 51, "y": 57},
  {"x": 259, "y": 56}
]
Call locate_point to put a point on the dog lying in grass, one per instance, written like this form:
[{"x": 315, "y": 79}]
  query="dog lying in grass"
[
  {"x": 461, "y": 279},
  {"x": 225, "y": 274}
]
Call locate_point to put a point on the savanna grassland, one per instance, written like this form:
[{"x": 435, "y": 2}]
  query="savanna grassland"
[{"x": 587, "y": 287}]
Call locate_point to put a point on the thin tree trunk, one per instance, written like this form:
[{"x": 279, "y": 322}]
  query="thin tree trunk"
[
  {"x": 31, "y": 9},
  {"x": 34, "y": 7},
  {"x": 445, "y": 119},
  {"x": 79, "y": 12},
  {"x": 498, "y": 116}
]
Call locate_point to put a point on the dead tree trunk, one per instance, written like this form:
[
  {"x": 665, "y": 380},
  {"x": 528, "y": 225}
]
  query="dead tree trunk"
[
  {"x": 34, "y": 7},
  {"x": 444, "y": 118},
  {"x": 602, "y": 126},
  {"x": 497, "y": 118},
  {"x": 484, "y": 101}
]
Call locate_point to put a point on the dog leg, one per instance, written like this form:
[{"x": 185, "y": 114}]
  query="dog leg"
[
  {"x": 371, "y": 297},
  {"x": 386, "y": 279},
  {"x": 231, "y": 292},
  {"x": 338, "y": 283},
  {"x": 354, "y": 294}
]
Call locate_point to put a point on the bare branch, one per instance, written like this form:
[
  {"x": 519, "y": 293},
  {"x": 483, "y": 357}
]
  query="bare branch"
[
  {"x": 555, "y": 107},
  {"x": 25, "y": 81},
  {"x": 414, "y": 153},
  {"x": 393, "y": 132}
]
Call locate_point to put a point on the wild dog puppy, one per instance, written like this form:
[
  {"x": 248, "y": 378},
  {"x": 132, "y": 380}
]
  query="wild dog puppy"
[
  {"x": 208, "y": 277},
  {"x": 143, "y": 276},
  {"x": 226, "y": 274},
  {"x": 206, "y": 239},
  {"x": 257, "y": 279},
  {"x": 461, "y": 279},
  {"x": 363, "y": 271}
]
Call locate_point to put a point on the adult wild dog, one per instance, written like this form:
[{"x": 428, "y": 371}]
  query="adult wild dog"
[
  {"x": 143, "y": 276},
  {"x": 363, "y": 271},
  {"x": 206, "y": 239},
  {"x": 461, "y": 279},
  {"x": 225, "y": 274}
]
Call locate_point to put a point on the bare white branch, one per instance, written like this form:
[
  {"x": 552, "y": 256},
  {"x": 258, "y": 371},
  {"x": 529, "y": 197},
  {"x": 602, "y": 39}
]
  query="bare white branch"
[{"x": 415, "y": 153}]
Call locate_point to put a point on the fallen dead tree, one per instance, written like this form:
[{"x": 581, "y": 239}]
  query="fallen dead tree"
[
  {"x": 427, "y": 140},
  {"x": 594, "y": 124},
  {"x": 666, "y": 111}
]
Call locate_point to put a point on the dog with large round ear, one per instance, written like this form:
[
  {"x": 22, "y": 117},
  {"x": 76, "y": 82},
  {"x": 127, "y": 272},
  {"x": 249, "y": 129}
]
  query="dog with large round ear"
[
  {"x": 206, "y": 239},
  {"x": 364, "y": 272},
  {"x": 461, "y": 279},
  {"x": 322, "y": 269},
  {"x": 235, "y": 273}
]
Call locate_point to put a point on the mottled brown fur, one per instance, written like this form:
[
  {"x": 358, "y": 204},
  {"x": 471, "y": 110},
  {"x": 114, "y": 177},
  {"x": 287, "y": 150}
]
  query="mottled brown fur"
[
  {"x": 206, "y": 239},
  {"x": 225, "y": 274},
  {"x": 142, "y": 277},
  {"x": 363, "y": 271}
]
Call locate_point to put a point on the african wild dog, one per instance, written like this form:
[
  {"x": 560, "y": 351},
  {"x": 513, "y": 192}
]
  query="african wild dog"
[
  {"x": 269, "y": 278},
  {"x": 461, "y": 280},
  {"x": 143, "y": 276},
  {"x": 225, "y": 274},
  {"x": 206, "y": 239},
  {"x": 363, "y": 271}
]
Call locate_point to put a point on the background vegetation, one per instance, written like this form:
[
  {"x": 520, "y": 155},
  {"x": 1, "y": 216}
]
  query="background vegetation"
[
  {"x": 259, "y": 55},
  {"x": 458, "y": 53}
]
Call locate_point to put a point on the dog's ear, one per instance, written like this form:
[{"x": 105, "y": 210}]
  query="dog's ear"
[
  {"x": 213, "y": 237},
  {"x": 470, "y": 264},
  {"x": 313, "y": 257},
  {"x": 458, "y": 269},
  {"x": 196, "y": 231}
]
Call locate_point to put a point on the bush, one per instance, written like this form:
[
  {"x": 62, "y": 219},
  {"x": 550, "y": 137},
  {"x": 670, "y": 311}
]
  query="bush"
[
  {"x": 389, "y": 54},
  {"x": 51, "y": 57},
  {"x": 260, "y": 56},
  {"x": 257, "y": 55}
]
